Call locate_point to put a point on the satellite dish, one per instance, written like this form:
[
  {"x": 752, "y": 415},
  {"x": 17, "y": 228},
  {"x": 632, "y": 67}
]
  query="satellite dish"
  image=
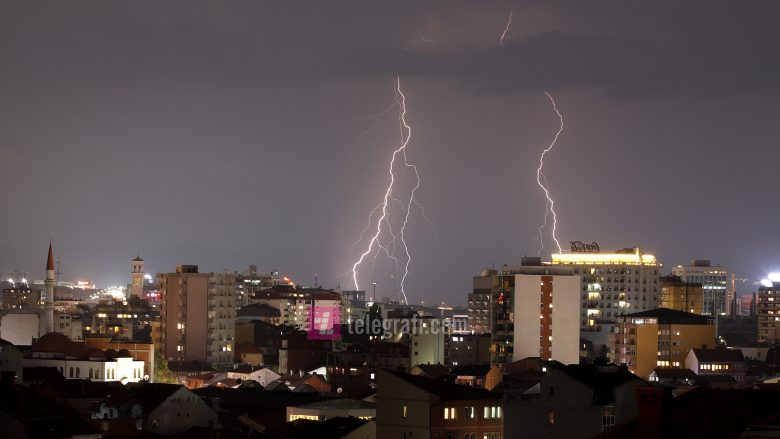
[
  {"x": 339, "y": 390},
  {"x": 146, "y": 377}
]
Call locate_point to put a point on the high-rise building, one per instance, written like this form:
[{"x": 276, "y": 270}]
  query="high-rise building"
[
  {"x": 480, "y": 299},
  {"x": 659, "y": 338},
  {"x": 137, "y": 286},
  {"x": 613, "y": 284},
  {"x": 713, "y": 279},
  {"x": 682, "y": 296},
  {"x": 297, "y": 304},
  {"x": 768, "y": 312},
  {"x": 197, "y": 315},
  {"x": 519, "y": 293}
]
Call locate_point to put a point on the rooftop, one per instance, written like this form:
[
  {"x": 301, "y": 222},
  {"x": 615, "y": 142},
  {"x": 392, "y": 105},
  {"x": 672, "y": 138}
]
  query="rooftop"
[
  {"x": 445, "y": 391},
  {"x": 666, "y": 316}
]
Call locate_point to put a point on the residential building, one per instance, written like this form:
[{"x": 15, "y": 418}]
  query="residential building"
[
  {"x": 332, "y": 408},
  {"x": 354, "y": 369},
  {"x": 419, "y": 407},
  {"x": 425, "y": 335},
  {"x": 247, "y": 353},
  {"x": 714, "y": 280},
  {"x": 259, "y": 311},
  {"x": 298, "y": 353},
  {"x": 197, "y": 315},
  {"x": 682, "y": 296},
  {"x": 129, "y": 319},
  {"x": 659, "y": 337},
  {"x": 546, "y": 315},
  {"x": 574, "y": 401},
  {"x": 297, "y": 304},
  {"x": 768, "y": 313},
  {"x": 263, "y": 375},
  {"x": 167, "y": 409},
  {"x": 522, "y": 289},
  {"x": 20, "y": 296},
  {"x": 718, "y": 361},
  {"x": 468, "y": 349},
  {"x": 353, "y": 306},
  {"x": 480, "y": 300},
  {"x": 483, "y": 376},
  {"x": 11, "y": 359},
  {"x": 613, "y": 284}
]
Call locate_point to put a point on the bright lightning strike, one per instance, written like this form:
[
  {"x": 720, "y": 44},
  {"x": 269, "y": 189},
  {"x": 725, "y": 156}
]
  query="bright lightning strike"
[
  {"x": 396, "y": 238},
  {"x": 506, "y": 29},
  {"x": 541, "y": 180}
]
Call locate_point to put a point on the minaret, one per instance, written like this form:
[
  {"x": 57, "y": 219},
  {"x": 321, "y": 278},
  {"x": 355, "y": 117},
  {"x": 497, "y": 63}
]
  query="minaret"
[
  {"x": 48, "y": 305},
  {"x": 137, "y": 287}
]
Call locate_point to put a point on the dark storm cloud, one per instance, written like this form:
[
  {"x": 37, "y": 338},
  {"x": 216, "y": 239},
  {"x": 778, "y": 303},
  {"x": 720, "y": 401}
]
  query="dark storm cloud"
[
  {"x": 698, "y": 48},
  {"x": 216, "y": 132}
]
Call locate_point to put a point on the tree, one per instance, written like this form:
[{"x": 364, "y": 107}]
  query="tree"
[{"x": 161, "y": 372}]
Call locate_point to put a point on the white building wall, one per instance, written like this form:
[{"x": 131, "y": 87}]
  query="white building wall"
[{"x": 565, "y": 317}]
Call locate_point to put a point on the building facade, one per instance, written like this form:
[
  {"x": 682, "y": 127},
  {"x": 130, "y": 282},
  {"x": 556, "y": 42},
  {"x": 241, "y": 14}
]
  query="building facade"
[
  {"x": 661, "y": 338},
  {"x": 768, "y": 312},
  {"x": 527, "y": 289},
  {"x": 197, "y": 315},
  {"x": 714, "y": 281},
  {"x": 480, "y": 299},
  {"x": 682, "y": 296},
  {"x": 613, "y": 284}
]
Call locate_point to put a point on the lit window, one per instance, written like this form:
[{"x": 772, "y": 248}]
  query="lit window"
[
  {"x": 470, "y": 413},
  {"x": 405, "y": 412},
  {"x": 449, "y": 413}
]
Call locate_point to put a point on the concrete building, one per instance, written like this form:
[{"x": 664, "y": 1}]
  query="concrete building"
[
  {"x": 480, "y": 299},
  {"x": 425, "y": 335},
  {"x": 419, "y": 407},
  {"x": 21, "y": 328},
  {"x": 469, "y": 349},
  {"x": 297, "y": 304},
  {"x": 198, "y": 312},
  {"x": 261, "y": 374},
  {"x": 660, "y": 337},
  {"x": 714, "y": 280},
  {"x": 682, "y": 296},
  {"x": 21, "y": 297},
  {"x": 521, "y": 297},
  {"x": 613, "y": 284},
  {"x": 719, "y": 361},
  {"x": 767, "y": 312},
  {"x": 546, "y": 316},
  {"x": 574, "y": 401}
]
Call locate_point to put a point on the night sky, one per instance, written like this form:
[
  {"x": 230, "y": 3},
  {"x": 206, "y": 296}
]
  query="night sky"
[{"x": 240, "y": 132}]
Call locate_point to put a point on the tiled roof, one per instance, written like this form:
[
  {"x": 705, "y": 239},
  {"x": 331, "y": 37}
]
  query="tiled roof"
[
  {"x": 718, "y": 355},
  {"x": 444, "y": 390}
]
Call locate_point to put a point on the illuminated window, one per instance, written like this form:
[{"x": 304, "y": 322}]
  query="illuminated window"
[
  {"x": 471, "y": 413},
  {"x": 405, "y": 412},
  {"x": 449, "y": 413},
  {"x": 550, "y": 418},
  {"x": 608, "y": 417},
  {"x": 492, "y": 412}
]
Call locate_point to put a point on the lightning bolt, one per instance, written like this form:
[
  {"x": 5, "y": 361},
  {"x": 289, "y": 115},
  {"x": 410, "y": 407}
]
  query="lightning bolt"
[
  {"x": 397, "y": 239},
  {"x": 541, "y": 180},
  {"x": 506, "y": 29}
]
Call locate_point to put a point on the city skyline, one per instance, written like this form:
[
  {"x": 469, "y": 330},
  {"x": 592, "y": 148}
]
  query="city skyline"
[{"x": 242, "y": 135}]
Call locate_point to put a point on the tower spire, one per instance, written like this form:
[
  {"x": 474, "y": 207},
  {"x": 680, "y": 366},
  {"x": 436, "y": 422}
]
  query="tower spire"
[{"x": 50, "y": 260}]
